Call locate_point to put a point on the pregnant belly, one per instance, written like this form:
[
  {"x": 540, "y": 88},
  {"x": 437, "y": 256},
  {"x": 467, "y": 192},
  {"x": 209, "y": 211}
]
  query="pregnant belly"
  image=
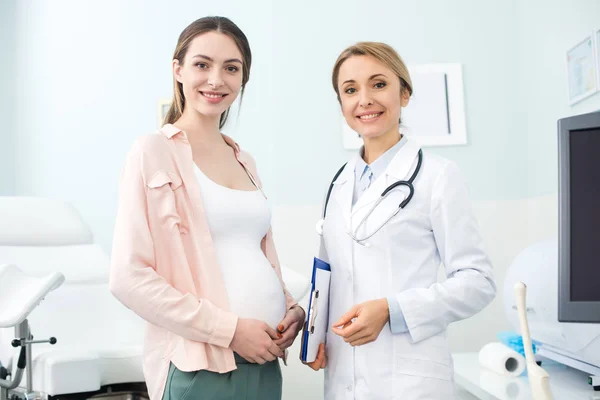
[{"x": 253, "y": 288}]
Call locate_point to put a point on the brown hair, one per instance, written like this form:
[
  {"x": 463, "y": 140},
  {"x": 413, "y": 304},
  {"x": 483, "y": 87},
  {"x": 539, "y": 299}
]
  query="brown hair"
[
  {"x": 203, "y": 25},
  {"x": 382, "y": 53}
]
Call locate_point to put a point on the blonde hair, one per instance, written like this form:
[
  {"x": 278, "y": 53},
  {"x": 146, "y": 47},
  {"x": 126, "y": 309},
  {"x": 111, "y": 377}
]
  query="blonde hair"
[
  {"x": 198, "y": 27},
  {"x": 382, "y": 53}
]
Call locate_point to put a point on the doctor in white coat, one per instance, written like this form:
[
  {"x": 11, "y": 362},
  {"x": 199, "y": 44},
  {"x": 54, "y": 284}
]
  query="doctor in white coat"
[{"x": 388, "y": 313}]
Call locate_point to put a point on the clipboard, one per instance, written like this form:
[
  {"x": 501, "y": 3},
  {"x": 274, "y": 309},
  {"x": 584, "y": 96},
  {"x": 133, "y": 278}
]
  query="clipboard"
[{"x": 317, "y": 318}]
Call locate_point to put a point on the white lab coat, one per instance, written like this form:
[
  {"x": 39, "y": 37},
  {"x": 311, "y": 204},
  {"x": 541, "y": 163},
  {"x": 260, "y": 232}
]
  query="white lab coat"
[{"x": 402, "y": 260}]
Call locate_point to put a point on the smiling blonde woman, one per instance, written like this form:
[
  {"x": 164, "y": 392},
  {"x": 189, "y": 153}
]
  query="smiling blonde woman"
[{"x": 387, "y": 312}]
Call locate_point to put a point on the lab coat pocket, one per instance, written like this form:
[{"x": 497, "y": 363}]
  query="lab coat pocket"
[
  {"x": 164, "y": 198},
  {"x": 423, "y": 368},
  {"x": 428, "y": 358}
]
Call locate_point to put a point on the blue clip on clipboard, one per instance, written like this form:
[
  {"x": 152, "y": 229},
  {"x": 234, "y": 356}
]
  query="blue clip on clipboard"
[{"x": 317, "y": 318}]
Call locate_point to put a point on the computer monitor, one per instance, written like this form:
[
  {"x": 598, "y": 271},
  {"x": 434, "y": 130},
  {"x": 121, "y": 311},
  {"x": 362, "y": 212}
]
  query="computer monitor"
[{"x": 579, "y": 218}]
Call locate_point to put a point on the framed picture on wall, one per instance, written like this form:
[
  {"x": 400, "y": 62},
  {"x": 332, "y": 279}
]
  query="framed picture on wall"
[
  {"x": 597, "y": 40},
  {"x": 163, "y": 108},
  {"x": 435, "y": 115},
  {"x": 582, "y": 70}
]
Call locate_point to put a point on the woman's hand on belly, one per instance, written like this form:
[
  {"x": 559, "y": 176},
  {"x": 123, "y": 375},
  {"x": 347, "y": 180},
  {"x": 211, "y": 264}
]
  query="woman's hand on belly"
[
  {"x": 289, "y": 327},
  {"x": 253, "y": 340}
]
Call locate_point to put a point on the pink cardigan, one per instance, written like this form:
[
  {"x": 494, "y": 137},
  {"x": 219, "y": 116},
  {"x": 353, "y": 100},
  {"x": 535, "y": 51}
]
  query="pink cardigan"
[{"x": 164, "y": 266}]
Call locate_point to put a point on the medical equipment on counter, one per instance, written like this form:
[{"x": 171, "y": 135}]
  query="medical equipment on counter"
[
  {"x": 578, "y": 218},
  {"x": 561, "y": 273},
  {"x": 501, "y": 359},
  {"x": 539, "y": 380},
  {"x": 514, "y": 341},
  {"x": 574, "y": 344},
  {"x": 404, "y": 203}
]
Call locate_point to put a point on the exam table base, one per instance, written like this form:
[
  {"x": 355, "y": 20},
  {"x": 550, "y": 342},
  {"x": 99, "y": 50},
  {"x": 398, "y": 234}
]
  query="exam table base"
[{"x": 126, "y": 391}]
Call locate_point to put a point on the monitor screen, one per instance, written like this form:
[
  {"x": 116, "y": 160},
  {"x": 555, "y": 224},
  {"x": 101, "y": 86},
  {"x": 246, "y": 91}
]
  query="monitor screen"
[
  {"x": 579, "y": 218},
  {"x": 584, "y": 156}
]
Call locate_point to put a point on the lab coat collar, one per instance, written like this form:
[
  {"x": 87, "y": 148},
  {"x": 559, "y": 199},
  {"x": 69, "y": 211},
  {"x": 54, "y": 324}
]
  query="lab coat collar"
[
  {"x": 402, "y": 165},
  {"x": 400, "y": 168},
  {"x": 348, "y": 173},
  {"x": 345, "y": 182}
]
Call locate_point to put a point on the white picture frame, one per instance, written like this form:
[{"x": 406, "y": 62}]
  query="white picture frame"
[
  {"x": 435, "y": 115},
  {"x": 163, "y": 108},
  {"x": 582, "y": 70},
  {"x": 597, "y": 55}
]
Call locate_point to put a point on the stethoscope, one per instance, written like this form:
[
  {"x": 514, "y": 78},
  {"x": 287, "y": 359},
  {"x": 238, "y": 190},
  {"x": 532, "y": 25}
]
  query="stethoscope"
[{"x": 408, "y": 184}]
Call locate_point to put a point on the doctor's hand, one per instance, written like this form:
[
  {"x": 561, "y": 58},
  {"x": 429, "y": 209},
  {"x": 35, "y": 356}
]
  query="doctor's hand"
[
  {"x": 321, "y": 360},
  {"x": 289, "y": 327},
  {"x": 253, "y": 340},
  {"x": 363, "y": 323}
]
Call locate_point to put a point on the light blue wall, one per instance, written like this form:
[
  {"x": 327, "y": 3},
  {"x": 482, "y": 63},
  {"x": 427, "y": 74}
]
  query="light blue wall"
[
  {"x": 512, "y": 54},
  {"x": 548, "y": 29},
  {"x": 91, "y": 74},
  {"x": 479, "y": 35},
  {"x": 7, "y": 95}
]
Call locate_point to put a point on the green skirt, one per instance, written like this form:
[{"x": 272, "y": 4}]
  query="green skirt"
[{"x": 248, "y": 382}]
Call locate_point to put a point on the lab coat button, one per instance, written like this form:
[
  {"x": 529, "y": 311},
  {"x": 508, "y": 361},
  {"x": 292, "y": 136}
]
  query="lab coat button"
[{"x": 349, "y": 388}]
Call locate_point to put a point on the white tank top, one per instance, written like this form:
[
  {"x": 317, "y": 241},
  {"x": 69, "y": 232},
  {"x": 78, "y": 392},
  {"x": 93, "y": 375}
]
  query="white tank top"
[{"x": 238, "y": 220}]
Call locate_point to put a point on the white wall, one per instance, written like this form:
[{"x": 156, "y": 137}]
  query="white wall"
[
  {"x": 7, "y": 94},
  {"x": 90, "y": 75}
]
